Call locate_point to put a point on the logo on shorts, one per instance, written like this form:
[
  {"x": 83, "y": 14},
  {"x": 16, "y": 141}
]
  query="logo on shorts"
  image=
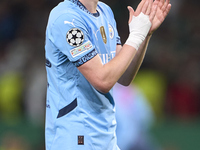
[{"x": 75, "y": 37}]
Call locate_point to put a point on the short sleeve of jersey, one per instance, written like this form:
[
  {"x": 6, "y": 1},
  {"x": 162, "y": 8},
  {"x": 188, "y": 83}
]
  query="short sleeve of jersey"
[{"x": 69, "y": 34}]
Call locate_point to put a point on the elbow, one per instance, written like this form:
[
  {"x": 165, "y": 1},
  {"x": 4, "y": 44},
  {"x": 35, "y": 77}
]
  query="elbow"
[
  {"x": 124, "y": 82},
  {"x": 103, "y": 86}
]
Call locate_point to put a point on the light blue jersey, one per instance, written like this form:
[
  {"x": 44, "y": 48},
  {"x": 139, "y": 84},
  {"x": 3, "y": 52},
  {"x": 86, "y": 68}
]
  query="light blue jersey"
[{"x": 78, "y": 117}]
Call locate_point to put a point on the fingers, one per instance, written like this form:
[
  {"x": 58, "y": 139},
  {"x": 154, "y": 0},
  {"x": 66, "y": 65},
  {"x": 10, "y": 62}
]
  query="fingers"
[
  {"x": 161, "y": 2},
  {"x": 139, "y": 8},
  {"x": 145, "y": 6},
  {"x": 163, "y": 8},
  {"x": 167, "y": 10},
  {"x": 131, "y": 13},
  {"x": 153, "y": 11},
  {"x": 149, "y": 7}
]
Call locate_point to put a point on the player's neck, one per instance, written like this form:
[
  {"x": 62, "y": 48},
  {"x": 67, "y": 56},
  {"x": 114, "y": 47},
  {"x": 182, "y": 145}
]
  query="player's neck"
[{"x": 91, "y": 5}]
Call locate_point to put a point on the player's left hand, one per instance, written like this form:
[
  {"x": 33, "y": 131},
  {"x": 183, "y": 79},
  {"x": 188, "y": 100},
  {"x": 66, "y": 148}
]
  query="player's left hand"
[{"x": 163, "y": 9}]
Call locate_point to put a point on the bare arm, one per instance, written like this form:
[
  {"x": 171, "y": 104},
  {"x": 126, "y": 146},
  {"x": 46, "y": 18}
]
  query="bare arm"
[
  {"x": 103, "y": 77},
  {"x": 161, "y": 13},
  {"x": 134, "y": 66}
]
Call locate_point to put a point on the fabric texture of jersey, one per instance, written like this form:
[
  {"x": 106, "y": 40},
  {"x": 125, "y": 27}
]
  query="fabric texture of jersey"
[{"x": 77, "y": 115}]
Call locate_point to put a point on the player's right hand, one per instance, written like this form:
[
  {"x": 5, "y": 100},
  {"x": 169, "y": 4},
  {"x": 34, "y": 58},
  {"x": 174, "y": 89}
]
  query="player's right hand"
[
  {"x": 140, "y": 22},
  {"x": 147, "y": 7}
]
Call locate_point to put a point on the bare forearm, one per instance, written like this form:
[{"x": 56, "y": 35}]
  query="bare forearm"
[
  {"x": 134, "y": 66},
  {"x": 125, "y": 63},
  {"x": 118, "y": 65},
  {"x": 105, "y": 76}
]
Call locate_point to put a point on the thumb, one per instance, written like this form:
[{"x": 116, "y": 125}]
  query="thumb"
[{"x": 131, "y": 13}]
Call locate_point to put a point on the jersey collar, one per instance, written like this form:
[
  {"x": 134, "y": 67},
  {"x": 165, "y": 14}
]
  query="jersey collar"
[{"x": 82, "y": 7}]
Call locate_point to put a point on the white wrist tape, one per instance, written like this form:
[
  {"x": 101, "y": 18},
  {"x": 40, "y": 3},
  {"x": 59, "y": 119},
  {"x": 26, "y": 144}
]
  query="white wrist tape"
[{"x": 138, "y": 28}]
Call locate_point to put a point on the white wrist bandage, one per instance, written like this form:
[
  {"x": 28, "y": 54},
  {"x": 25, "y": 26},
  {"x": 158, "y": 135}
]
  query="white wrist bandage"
[{"x": 139, "y": 28}]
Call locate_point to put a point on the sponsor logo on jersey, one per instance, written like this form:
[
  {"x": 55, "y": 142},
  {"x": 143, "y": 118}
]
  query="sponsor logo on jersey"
[
  {"x": 83, "y": 48},
  {"x": 70, "y": 23}
]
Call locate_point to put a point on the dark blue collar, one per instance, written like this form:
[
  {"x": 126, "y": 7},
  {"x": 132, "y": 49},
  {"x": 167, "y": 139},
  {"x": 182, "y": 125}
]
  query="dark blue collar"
[{"x": 82, "y": 7}]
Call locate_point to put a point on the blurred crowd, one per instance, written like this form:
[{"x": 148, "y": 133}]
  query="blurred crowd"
[{"x": 169, "y": 77}]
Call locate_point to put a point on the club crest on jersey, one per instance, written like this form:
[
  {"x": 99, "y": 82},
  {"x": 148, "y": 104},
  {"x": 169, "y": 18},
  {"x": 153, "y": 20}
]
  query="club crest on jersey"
[
  {"x": 83, "y": 48},
  {"x": 111, "y": 31},
  {"x": 75, "y": 37},
  {"x": 103, "y": 34}
]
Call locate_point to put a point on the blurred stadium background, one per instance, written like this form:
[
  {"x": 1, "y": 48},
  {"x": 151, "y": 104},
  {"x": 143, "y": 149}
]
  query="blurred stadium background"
[{"x": 168, "y": 81}]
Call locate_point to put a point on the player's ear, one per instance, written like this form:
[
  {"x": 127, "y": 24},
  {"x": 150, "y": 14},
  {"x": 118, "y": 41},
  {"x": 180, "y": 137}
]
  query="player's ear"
[{"x": 131, "y": 13}]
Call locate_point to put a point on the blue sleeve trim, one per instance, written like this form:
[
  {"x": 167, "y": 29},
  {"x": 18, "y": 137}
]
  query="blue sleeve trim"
[
  {"x": 85, "y": 58},
  {"x": 119, "y": 41}
]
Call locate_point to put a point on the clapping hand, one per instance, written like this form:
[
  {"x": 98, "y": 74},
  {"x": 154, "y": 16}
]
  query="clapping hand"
[
  {"x": 157, "y": 11},
  {"x": 163, "y": 8}
]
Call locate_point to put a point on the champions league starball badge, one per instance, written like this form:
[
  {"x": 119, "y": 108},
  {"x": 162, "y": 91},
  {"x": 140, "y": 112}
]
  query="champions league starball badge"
[{"x": 75, "y": 37}]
